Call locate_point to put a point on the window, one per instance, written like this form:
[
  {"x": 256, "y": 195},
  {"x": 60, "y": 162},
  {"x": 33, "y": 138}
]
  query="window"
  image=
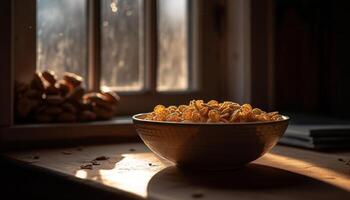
[
  {"x": 61, "y": 36},
  {"x": 122, "y": 45},
  {"x": 62, "y": 42},
  {"x": 173, "y": 49}
]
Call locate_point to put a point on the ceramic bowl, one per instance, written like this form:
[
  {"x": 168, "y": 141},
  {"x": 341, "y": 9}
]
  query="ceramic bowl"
[{"x": 209, "y": 145}]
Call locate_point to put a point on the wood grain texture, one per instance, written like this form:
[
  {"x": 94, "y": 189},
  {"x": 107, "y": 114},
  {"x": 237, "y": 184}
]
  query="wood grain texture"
[{"x": 284, "y": 173}]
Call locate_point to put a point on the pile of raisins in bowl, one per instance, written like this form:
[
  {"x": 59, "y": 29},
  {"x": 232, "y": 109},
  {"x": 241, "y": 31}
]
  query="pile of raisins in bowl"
[{"x": 212, "y": 112}]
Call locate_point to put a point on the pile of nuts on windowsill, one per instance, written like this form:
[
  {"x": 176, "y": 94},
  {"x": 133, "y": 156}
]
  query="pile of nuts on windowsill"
[{"x": 48, "y": 99}]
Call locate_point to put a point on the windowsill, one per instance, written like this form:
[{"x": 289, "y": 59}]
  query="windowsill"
[
  {"x": 133, "y": 171},
  {"x": 116, "y": 128}
]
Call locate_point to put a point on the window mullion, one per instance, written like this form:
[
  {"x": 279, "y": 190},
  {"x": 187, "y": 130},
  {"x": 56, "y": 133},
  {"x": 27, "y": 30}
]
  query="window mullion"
[
  {"x": 151, "y": 44},
  {"x": 193, "y": 55},
  {"x": 94, "y": 45}
]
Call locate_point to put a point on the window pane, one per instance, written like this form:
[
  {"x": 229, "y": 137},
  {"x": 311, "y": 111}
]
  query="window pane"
[
  {"x": 173, "y": 70},
  {"x": 61, "y": 36},
  {"x": 122, "y": 44}
]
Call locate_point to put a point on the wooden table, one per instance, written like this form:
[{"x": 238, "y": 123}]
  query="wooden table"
[{"x": 284, "y": 173}]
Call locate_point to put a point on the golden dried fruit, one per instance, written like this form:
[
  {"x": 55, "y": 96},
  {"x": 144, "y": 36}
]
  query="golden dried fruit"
[
  {"x": 263, "y": 117},
  {"x": 37, "y": 83},
  {"x": 214, "y": 115},
  {"x": 68, "y": 107},
  {"x": 67, "y": 117},
  {"x": 171, "y": 109},
  {"x": 235, "y": 116},
  {"x": 182, "y": 108},
  {"x": 160, "y": 117},
  {"x": 54, "y": 99},
  {"x": 257, "y": 111},
  {"x": 49, "y": 76},
  {"x": 213, "y": 103},
  {"x": 173, "y": 117},
  {"x": 227, "y": 110},
  {"x": 224, "y": 120},
  {"x": 246, "y": 108},
  {"x": 213, "y": 111},
  {"x": 52, "y": 90},
  {"x": 187, "y": 114},
  {"x": 150, "y": 116},
  {"x": 159, "y": 109},
  {"x": 111, "y": 97},
  {"x": 204, "y": 111},
  {"x": 225, "y": 115},
  {"x": 98, "y": 99},
  {"x": 103, "y": 113},
  {"x": 277, "y": 117},
  {"x": 195, "y": 117},
  {"x": 87, "y": 115},
  {"x": 64, "y": 87},
  {"x": 198, "y": 104},
  {"x": 76, "y": 94},
  {"x": 271, "y": 114},
  {"x": 73, "y": 79}
]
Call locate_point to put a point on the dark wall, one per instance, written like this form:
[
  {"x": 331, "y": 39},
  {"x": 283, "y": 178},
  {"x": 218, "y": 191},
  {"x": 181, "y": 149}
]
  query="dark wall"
[
  {"x": 311, "y": 62},
  {"x": 340, "y": 60},
  {"x": 5, "y": 61}
]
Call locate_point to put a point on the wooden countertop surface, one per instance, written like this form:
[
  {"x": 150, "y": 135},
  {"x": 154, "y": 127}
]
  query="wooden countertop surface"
[{"x": 284, "y": 173}]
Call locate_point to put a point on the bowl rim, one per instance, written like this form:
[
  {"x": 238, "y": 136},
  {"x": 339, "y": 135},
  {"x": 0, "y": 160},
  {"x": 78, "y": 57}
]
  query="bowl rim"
[{"x": 136, "y": 118}]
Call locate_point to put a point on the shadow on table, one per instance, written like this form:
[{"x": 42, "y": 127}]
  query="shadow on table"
[{"x": 252, "y": 181}]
